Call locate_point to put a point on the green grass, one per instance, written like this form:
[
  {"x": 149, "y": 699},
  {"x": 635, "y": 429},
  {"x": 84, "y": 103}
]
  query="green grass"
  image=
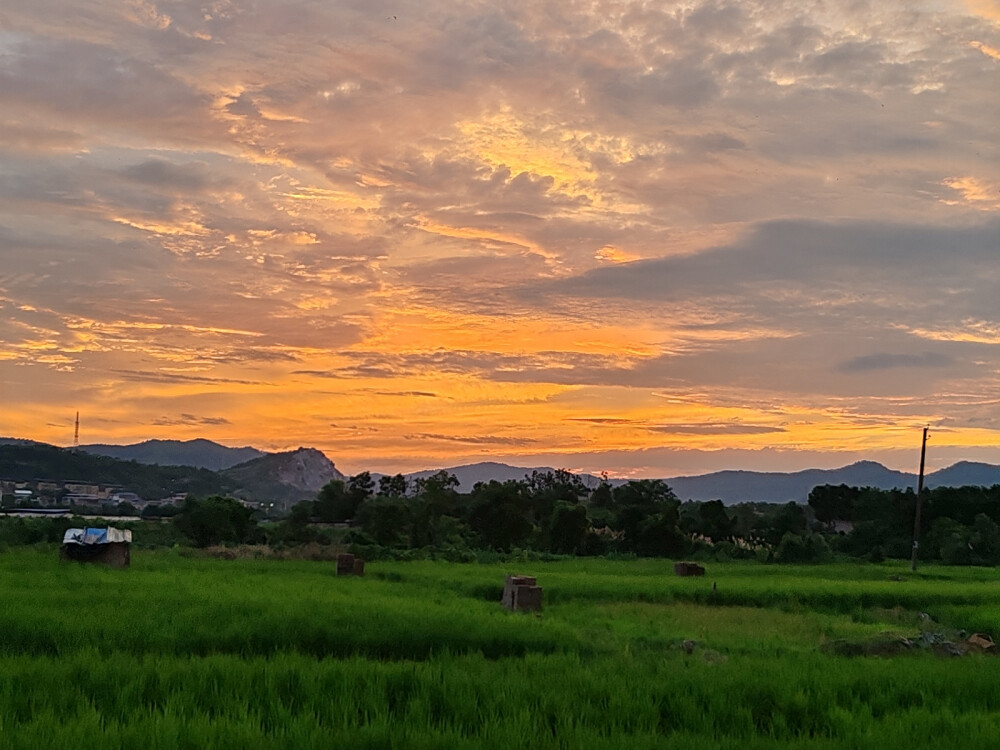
[{"x": 181, "y": 652}]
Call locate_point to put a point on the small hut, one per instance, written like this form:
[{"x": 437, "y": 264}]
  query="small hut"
[{"x": 108, "y": 546}]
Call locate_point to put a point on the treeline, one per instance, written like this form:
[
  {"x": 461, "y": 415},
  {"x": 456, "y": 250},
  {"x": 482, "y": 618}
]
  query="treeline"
[
  {"x": 959, "y": 525},
  {"x": 555, "y": 513},
  {"x": 550, "y": 512},
  {"x": 545, "y": 513}
]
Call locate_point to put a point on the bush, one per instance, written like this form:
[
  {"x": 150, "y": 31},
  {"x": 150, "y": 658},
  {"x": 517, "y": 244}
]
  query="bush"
[
  {"x": 217, "y": 520},
  {"x": 804, "y": 548}
]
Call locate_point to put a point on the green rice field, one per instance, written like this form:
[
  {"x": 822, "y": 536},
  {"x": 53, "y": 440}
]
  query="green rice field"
[{"x": 197, "y": 652}]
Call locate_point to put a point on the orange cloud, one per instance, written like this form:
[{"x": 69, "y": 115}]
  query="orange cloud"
[
  {"x": 986, "y": 49},
  {"x": 976, "y": 192}
]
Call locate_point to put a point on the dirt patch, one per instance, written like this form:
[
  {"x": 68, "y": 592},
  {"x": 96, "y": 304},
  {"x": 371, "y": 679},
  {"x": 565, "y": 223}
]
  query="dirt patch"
[
  {"x": 262, "y": 551},
  {"x": 945, "y": 643}
]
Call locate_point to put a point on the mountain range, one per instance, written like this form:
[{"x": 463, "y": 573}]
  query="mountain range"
[
  {"x": 201, "y": 453},
  {"x": 280, "y": 478},
  {"x": 755, "y": 486},
  {"x": 297, "y": 475}
]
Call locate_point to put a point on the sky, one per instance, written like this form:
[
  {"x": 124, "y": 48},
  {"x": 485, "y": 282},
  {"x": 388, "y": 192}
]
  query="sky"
[{"x": 646, "y": 238}]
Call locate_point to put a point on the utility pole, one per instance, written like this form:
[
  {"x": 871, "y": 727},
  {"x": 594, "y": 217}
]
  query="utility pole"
[{"x": 920, "y": 492}]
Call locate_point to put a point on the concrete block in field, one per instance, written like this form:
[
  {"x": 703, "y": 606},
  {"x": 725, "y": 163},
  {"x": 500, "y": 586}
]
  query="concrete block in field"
[
  {"x": 345, "y": 564},
  {"x": 520, "y": 594},
  {"x": 359, "y": 566},
  {"x": 688, "y": 569}
]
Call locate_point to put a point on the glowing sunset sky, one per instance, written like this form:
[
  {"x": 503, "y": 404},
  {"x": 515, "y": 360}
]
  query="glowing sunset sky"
[{"x": 650, "y": 238}]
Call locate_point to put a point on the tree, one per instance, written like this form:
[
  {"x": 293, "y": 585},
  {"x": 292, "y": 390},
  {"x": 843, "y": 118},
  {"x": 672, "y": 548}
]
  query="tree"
[
  {"x": 300, "y": 514},
  {"x": 790, "y": 518},
  {"x": 435, "y": 497},
  {"x": 440, "y": 488},
  {"x": 215, "y": 520},
  {"x": 833, "y": 502},
  {"x": 602, "y": 496},
  {"x": 801, "y": 548},
  {"x": 985, "y": 541},
  {"x": 386, "y": 519},
  {"x": 645, "y": 493},
  {"x": 952, "y": 541},
  {"x": 658, "y": 536},
  {"x": 360, "y": 487},
  {"x": 712, "y": 521},
  {"x": 335, "y": 502},
  {"x": 394, "y": 486},
  {"x": 126, "y": 508},
  {"x": 547, "y": 488},
  {"x": 646, "y": 511},
  {"x": 568, "y": 528},
  {"x": 500, "y": 514}
]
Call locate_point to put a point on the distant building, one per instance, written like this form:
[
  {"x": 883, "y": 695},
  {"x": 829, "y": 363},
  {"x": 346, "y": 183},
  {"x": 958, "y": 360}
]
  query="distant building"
[
  {"x": 82, "y": 488},
  {"x": 88, "y": 501},
  {"x": 126, "y": 497}
]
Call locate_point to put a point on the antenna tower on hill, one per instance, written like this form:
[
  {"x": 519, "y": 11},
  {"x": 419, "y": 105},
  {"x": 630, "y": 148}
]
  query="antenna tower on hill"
[{"x": 76, "y": 432}]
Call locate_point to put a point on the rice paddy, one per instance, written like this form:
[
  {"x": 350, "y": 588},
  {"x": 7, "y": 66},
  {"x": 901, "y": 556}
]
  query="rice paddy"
[{"x": 190, "y": 652}]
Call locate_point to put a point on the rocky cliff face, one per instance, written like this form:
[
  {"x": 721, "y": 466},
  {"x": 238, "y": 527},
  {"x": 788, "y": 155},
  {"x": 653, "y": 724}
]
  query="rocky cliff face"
[
  {"x": 284, "y": 477},
  {"x": 305, "y": 469}
]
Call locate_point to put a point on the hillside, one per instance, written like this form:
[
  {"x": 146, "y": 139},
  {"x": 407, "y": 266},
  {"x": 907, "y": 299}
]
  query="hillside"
[
  {"x": 283, "y": 478},
  {"x": 774, "y": 487},
  {"x": 39, "y": 461},
  {"x": 965, "y": 473},
  {"x": 203, "y": 454}
]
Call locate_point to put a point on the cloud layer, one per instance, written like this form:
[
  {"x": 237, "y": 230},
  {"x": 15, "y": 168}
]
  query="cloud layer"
[{"x": 610, "y": 235}]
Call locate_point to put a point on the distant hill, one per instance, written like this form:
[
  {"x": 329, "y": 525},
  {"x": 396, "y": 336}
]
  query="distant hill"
[
  {"x": 964, "y": 473},
  {"x": 283, "y": 478},
  {"x": 200, "y": 453},
  {"x": 39, "y": 461},
  {"x": 749, "y": 486},
  {"x": 774, "y": 487},
  {"x": 753, "y": 486}
]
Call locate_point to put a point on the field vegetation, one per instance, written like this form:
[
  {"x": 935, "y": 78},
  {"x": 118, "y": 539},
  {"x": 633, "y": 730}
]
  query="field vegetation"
[{"x": 187, "y": 651}]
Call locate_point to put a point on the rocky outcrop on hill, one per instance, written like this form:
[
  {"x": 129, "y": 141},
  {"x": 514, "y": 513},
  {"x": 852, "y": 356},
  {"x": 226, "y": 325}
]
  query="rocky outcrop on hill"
[{"x": 284, "y": 478}]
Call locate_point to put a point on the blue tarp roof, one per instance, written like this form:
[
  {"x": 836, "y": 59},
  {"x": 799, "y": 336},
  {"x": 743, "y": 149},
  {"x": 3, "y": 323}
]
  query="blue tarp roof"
[{"x": 96, "y": 536}]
